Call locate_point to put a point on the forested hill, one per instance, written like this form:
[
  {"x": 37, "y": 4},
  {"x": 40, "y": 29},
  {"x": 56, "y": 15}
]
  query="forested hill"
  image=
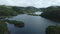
[
  {"x": 14, "y": 10},
  {"x": 25, "y": 9},
  {"x": 52, "y": 13}
]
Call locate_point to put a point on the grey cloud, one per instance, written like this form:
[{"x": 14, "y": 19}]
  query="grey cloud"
[{"x": 35, "y": 3}]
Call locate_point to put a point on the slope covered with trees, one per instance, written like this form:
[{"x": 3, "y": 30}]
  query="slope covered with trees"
[
  {"x": 52, "y": 13},
  {"x": 7, "y": 11}
]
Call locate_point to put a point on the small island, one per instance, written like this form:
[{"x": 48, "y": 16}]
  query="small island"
[{"x": 16, "y": 23}]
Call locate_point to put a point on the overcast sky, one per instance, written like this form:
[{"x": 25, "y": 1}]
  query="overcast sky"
[{"x": 35, "y": 3}]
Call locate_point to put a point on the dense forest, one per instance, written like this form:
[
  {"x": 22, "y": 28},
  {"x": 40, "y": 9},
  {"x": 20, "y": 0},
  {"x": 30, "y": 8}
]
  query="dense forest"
[
  {"x": 7, "y": 11},
  {"x": 52, "y": 12}
]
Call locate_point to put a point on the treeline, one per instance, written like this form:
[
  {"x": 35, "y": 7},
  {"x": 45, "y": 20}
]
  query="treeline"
[
  {"x": 29, "y": 9},
  {"x": 52, "y": 13},
  {"x": 6, "y": 11}
]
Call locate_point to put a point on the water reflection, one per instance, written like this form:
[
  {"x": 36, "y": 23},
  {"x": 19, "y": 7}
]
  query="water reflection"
[{"x": 33, "y": 24}]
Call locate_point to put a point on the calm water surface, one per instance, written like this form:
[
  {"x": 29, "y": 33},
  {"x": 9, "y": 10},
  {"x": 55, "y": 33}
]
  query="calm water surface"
[{"x": 32, "y": 24}]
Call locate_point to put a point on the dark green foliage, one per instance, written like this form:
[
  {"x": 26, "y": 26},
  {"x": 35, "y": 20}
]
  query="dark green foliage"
[
  {"x": 3, "y": 28},
  {"x": 23, "y": 10},
  {"x": 7, "y": 11},
  {"x": 16, "y": 23},
  {"x": 53, "y": 30},
  {"x": 18, "y": 9},
  {"x": 52, "y": 13}
]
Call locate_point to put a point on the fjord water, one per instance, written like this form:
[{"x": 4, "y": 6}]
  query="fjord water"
[{"x": 32, "y": 24}]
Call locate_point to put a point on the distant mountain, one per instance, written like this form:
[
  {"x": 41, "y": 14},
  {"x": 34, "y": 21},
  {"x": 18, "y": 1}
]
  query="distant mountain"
[{"x": 14, "y": 10}]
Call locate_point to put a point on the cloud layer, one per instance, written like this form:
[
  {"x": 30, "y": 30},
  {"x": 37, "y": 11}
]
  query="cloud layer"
[{"x": 35, "y": 3}]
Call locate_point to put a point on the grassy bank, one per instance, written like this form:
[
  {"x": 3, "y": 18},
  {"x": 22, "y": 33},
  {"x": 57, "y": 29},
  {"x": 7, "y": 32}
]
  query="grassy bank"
[
  {"x": 3, "y": 28},
  {"x": 53, "y": 30}
]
